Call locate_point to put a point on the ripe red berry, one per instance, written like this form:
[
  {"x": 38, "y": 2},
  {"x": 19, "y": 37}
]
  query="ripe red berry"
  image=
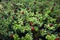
[
  {"x": 32, "y": 28},
  {"x": 50, "y": 25},
  {"x": 57, "y": 39},
  {"x": 31, "y": 23},
  {"x": 11, "y": 35}
]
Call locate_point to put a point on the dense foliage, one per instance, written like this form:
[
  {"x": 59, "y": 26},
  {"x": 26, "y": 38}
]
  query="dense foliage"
[{"x": 30, "y": 20}]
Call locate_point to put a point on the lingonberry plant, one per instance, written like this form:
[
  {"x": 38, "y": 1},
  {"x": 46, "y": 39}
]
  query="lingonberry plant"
[{"x": 30, "y": 20}]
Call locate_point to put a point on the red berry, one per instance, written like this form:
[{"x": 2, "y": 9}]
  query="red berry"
[
  {"x": 31, "y": 23},
  {"x": 11, "y": 35},
  {"x": 50, "y": 25},
  {"x": 57, "y": 39},
  {"x": 32, "y": 28}
]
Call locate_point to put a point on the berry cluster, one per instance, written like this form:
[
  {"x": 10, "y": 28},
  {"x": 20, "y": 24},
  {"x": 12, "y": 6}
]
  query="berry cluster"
[{"x": 29, "y": 20}]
